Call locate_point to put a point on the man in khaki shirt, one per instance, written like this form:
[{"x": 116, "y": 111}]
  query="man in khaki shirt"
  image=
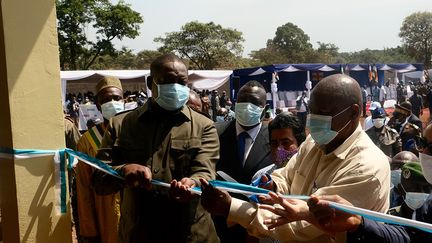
[{"x": 338, "y": 158}]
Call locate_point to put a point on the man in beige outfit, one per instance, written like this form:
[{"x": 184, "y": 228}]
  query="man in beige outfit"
[{"x": 337, "y": 158}]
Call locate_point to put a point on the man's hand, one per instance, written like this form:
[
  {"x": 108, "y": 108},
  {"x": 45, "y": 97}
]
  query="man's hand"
[
  {"x": 215, "y": 201},
  {"x": 269, "y": 185},
  {"x": 293, "y": 210},
  {"x": 180, "y": 190},
  {"x": 330, "y": 220},
  {"x": 137, "y": 176}
]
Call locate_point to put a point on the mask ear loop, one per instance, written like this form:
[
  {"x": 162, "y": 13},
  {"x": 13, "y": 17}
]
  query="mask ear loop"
[
  {"x": 341, "y": 112},
  {"x": 338, "y": 115}
]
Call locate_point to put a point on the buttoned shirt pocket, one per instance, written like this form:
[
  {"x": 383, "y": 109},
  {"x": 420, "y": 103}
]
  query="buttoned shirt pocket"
[
  {"x": 182, "y": 152},
  {"x": 298, "y": 183}
]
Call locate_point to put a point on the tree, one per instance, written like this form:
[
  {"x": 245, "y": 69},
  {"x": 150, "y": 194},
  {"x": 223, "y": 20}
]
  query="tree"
[
  {"x": 109, "y": 22},
  {"x": 289, "y": 45},
  {"x": 146, "y": 57},
  {"x": 205, "y": 45},
  {"x": 292, "y": 42},
  {"x": 416, "y": 34}
]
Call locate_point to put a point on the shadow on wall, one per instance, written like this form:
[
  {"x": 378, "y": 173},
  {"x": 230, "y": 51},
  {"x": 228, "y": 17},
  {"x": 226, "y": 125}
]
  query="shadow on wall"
[{"x": 40, "y": 212}]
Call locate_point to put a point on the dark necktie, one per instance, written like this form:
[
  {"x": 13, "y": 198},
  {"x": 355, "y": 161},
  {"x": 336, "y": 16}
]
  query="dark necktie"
[{"x": 241, "y": 143}]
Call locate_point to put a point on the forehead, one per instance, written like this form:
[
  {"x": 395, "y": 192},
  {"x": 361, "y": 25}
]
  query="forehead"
[
  {"x": 254, "y": 95},
  {"x": 109, "y": 91},
  {"x": 171, "y": 70},
  {"x": 282, "y": 133}
]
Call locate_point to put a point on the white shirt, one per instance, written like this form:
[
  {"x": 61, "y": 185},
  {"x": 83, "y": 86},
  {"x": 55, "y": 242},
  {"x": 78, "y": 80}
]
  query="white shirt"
[
  {"x": 382, "y": 95},
  {"x": 302, "y": 106},
  {"x": 249, "y": 141}
]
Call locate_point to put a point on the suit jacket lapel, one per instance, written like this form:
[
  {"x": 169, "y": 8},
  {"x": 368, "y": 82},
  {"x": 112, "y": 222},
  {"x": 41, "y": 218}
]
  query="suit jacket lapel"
[{"x": 258, "y": 151}]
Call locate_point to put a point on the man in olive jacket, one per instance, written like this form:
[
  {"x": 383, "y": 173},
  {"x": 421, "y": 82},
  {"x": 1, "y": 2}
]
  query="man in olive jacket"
[{"x": 167, "y": 141}]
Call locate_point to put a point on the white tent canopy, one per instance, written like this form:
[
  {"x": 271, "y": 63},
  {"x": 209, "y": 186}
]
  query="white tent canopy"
[{"x": 201, "y": 79}]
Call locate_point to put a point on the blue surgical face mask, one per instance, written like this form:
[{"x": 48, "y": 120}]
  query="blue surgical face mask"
[
  {"x": 396, "y": 177},
  {"x": 415, "y": 200},
  {"x": 320, "y": 127},
  {"x": 109, "y": 109},
  {"x": 172, "y": 97},
  {"x": 248, "y": 114}
]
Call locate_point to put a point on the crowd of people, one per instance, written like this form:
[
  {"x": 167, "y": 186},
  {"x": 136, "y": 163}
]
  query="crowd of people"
[{"x": 187, "y": 138}]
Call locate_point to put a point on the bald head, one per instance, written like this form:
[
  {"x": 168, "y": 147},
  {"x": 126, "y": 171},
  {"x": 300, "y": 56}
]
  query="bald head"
[
  {"x": 194, "y": 101},
  {"x": 338, "y": 91},
  {"x": 338, "y": 96}
]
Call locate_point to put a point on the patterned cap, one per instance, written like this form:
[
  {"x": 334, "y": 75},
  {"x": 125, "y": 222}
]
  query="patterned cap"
[{"x": 108, "y": 81}]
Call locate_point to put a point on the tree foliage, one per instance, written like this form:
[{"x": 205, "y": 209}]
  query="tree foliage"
[
  {"x": 109, "y": 22},
  {"x": 292, "y": 42},
  {"x": 205, "y": 45},
  {"x": 416, "y": 34}
]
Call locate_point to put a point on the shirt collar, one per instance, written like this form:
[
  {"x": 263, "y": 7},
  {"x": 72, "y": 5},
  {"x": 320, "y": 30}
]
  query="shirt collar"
[
  {"x": 253, "y": 133},
  {"x": 343, "y": 149},
  {"x": 149, "y": 109}
]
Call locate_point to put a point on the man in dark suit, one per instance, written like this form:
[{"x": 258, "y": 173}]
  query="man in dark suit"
[
  {"x": 244, "y": 147},
  {"x": 412, "y": 118},
  {"x": 403, "y": 115}
]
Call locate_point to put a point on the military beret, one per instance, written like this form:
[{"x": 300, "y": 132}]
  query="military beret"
[
  {"x": 412, "y": 170},
  {"x": 108, "y": 81}
]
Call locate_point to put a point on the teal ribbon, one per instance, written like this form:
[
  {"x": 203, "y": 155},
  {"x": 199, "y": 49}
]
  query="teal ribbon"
[
  {"x": 247, "y": 189},
  {"x": 26, "y": 151},
  {"x": 93, "y": 161}
]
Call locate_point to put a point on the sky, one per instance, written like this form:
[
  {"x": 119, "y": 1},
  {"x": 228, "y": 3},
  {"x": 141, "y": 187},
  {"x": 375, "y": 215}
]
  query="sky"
[{"x": 350, "y": 25}]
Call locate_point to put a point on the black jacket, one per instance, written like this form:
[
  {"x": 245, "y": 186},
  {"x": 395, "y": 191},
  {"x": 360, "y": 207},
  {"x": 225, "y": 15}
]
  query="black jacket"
[
  {"x": 259, "y": 155},
  {"x": 371, "y": 231}
]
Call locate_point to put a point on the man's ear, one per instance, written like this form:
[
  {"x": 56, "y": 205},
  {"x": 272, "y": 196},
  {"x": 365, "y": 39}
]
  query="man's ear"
[
  {"x": 149, "y": 82},
  {"x": 266, "y": 107}
]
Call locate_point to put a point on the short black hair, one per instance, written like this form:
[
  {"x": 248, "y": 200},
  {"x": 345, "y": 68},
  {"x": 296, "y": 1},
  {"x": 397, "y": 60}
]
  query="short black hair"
[
  {"x": 288, "y": 120},
  {"x": 156, "y": 65},
  {"x": 254, "y": 83}
]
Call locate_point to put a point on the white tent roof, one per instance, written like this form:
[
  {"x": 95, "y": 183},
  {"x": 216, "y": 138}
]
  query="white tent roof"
[{"x": 201, "y": 79}]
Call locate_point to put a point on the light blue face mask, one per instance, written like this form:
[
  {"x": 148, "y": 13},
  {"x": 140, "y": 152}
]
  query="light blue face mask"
[
  {"x": 248, "y": 114},
  {"x": 415, "y": 200},
  {"x": 109, "y": 109},
  {"x": 320, "y": 127},
  {"x": 396, "y": 177},
  {"x": 172, "y": 97}
]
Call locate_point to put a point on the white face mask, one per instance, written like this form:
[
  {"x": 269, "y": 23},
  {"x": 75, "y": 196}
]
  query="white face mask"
[
  {"x": 426, "y": 164},
  {"x": 415, "y": 200},
  {"x": 109, "y": 109},
  {"x": 378, "y": 122}
]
